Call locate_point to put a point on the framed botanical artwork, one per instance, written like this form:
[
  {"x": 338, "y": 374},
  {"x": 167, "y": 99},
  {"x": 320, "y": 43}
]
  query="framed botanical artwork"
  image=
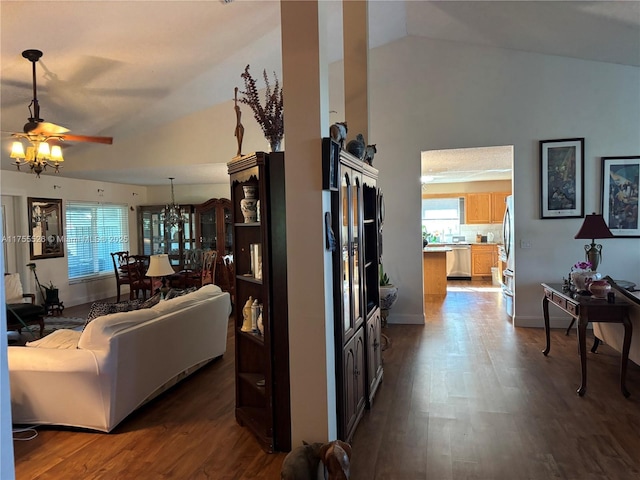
[
  {"x": 330, "y": 164},
  {"x": 620, "y": 178},
  {"x": 562, "y": 178}
]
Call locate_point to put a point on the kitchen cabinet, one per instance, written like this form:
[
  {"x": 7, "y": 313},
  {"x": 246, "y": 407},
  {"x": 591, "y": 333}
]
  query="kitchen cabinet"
[
  {"x": 483, "y": 258},
  {"x": 478, "y": 208},
  {"x": 260, "y": 254},
  {"x": 486, "y": 207},
  {"x": 498, "y": 206}
]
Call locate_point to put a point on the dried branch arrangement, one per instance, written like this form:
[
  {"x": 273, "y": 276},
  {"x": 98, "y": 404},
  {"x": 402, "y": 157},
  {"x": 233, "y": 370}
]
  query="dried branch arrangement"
[{"x": 270, "y": 117}]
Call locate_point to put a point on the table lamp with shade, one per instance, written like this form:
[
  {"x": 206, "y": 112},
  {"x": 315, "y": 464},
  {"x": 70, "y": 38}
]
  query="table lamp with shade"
[
  {"x": 159, "y": 266},
  {"x": 594, "y": 227}
]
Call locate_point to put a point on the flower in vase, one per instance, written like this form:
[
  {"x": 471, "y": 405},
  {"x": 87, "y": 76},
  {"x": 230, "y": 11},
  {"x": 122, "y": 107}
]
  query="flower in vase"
[
  {"x": 270, "y": 117},
  {"x": 581, "y": 267}
]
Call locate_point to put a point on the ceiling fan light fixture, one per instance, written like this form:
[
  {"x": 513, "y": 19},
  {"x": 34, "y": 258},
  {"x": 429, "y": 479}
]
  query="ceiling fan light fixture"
[
  {"x": 17, "y": 151},
  {"x": 56, "y": 154}
]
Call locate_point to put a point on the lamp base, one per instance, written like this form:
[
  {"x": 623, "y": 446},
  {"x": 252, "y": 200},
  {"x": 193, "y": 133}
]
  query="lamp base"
[{"x": 593, "y": 254}]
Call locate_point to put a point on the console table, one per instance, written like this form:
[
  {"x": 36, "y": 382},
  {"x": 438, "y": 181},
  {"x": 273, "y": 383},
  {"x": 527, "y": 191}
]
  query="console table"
[{"x": 587, "y": 309}]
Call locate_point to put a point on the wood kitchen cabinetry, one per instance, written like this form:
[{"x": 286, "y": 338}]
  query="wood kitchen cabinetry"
[
  {"x": 478, "y": 208},
  {"x": 356, "y": 220},
  {"x": 260, "y": 253},
  {"x": 498, "y": 206},
  {"x": 486, "y": 207},
  {"x": 483, "y": 258}
]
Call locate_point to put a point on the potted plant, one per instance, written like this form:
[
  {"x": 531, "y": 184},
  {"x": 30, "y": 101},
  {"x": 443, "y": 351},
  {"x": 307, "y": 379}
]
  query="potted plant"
[{"x": 388, "y": 294}]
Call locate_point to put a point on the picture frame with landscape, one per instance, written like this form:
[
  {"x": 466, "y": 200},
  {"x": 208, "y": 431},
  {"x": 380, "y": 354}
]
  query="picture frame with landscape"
[
  {"x": 562, "y": 178},
  {"x": 620, "y": 179}
]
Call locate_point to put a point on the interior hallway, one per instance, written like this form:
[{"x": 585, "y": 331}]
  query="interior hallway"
[{"x": 466, "y": 396}]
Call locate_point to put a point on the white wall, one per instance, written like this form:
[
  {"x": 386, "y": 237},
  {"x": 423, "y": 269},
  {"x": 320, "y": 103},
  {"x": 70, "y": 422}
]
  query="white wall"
[
  {"x": 427, "y": 94},
  {"x": 161, "y": 195}
]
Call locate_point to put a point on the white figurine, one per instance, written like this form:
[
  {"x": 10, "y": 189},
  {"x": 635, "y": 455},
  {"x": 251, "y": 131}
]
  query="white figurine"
[{"x": 247, "y": 324}]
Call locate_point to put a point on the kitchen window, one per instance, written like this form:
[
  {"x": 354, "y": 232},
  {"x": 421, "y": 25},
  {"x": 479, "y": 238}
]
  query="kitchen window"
[{"x": 442, "y": 216}]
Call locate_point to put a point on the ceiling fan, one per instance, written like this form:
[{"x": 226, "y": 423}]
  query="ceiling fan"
[{"x": 44, "y": 137}]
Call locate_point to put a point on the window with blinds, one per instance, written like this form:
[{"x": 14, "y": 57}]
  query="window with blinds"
[{"x": 92, "y": 232}]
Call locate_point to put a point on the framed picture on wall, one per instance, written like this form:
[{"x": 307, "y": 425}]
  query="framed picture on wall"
[
  {"x": 562, "y": 178},
  {"x": 330, "y": 159},
  {"x": 620, "y": 178}
]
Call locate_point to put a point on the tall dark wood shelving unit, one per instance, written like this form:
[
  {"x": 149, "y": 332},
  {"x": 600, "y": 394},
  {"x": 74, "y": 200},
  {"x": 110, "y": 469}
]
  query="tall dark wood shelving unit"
[
  {"x": 262, "y": 360},
  {"x": 356, "y": 215}
]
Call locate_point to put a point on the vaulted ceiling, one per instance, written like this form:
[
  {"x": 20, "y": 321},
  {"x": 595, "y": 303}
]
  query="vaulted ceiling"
[{"x": 127, "y": 68}]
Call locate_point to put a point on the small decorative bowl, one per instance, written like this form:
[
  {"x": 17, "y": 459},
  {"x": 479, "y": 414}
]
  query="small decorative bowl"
[{"x": 599, "y": 288}]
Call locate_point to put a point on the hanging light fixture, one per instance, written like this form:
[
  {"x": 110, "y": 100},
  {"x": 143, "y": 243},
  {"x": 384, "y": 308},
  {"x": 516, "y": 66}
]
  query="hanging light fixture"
[
  {"x": 39, "y": 155},
  {"x": 172, "y": 214}
]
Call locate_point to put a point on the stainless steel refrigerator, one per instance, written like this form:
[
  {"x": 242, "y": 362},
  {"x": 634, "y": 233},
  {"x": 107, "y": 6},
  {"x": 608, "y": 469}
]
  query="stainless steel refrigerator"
[{"x": 508, "y": 275}]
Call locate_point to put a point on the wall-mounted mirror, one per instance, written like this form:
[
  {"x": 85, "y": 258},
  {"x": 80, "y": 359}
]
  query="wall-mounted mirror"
[{"x": 45, "y": 228}]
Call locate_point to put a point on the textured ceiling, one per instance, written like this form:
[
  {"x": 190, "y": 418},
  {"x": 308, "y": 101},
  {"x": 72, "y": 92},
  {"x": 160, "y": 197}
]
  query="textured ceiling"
[{"x": 127, "y": 68}]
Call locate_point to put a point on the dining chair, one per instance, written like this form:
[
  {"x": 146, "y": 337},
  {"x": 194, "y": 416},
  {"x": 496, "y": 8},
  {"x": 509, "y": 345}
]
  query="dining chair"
[
  {"x": 208, "y": 272},
  {"x": 139, "y": 282},
  {"x": 120, "y": 262}
]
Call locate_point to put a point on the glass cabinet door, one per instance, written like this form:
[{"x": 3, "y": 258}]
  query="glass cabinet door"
[
  {"x": 208, "y": 230},
  {"x": 345, "y": 241},
  {"x": 153, "y": 239},
  {"x": 356, "y": 198},
  {"x": 228, "y": 232}
]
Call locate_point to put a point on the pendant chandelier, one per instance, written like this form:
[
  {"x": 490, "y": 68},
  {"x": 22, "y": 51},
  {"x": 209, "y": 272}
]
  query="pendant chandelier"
[{"x": 173, "y": 213}]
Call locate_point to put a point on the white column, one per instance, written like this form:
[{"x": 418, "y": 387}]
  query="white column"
[
  {"x": 356, "y": 67},
  {"x": 306, "y": 120}
]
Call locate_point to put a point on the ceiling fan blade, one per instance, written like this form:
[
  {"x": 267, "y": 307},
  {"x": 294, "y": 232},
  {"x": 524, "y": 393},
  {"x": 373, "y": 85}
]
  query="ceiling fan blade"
[{"x": 86, "y": 138}]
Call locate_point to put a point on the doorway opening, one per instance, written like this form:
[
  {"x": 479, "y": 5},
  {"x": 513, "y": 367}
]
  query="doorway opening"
[{"x": 477, "y": 181}]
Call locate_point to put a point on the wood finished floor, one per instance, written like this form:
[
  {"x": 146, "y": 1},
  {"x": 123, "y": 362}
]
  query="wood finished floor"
[{"x": 466, "y": 396}]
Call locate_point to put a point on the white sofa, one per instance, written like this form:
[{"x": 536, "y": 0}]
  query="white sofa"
[
  {"x": 95, "y": 378},
  {"x": 613, "y": 333}
]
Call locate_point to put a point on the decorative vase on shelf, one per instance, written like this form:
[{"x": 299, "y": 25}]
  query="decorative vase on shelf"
[
  {"x": 249, "y": 204},
  {"x": 599, "y": 288},
  {"x": 275, "y": 144}
]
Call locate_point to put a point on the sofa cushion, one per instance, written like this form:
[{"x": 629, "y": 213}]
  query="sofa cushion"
[
  {"x": 13, "y": 288},
  {"x": 99, "y": 309},
  {"x": 63, "y": 338}
]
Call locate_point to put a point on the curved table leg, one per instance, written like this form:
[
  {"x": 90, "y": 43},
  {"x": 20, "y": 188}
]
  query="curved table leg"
[
  {"x": 582, "y": 349},
  {"x": 545, "y": 310},
  {"x": 628, "y": 330},
  {"x": 596, "y": 343}
]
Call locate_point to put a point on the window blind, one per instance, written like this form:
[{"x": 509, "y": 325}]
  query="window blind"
[{"x": 93, "y": 231}]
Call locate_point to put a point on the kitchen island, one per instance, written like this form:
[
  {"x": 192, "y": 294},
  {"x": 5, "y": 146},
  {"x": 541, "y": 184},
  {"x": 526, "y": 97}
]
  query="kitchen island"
[{"x": 434, "y": 267}]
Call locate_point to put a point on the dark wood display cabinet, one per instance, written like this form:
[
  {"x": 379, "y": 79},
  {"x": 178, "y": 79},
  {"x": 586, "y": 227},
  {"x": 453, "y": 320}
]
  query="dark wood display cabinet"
[
  {"x": 356, "y": 220},
  {"x": 206, "y": 226},
  {"x": 157, "y": 237},
  {"x": 260, "y": 253},
  {"x": 214, "y": 231}
]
